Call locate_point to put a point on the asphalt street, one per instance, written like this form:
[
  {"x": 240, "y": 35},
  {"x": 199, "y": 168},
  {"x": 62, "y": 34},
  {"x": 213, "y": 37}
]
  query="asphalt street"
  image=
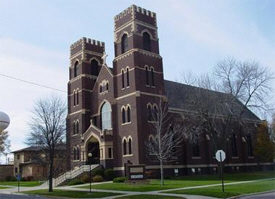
[
  {"x": 270, "y": 195},
  {"x": 19, "y": 196}
]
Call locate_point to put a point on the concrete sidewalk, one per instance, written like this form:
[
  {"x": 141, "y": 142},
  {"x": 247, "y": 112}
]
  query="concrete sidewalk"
[{"x": 128, "y": 193}]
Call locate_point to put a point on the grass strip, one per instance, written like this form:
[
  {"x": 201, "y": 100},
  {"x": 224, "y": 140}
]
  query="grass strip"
[
  {"x": 231, "y": 190},
  {"x": 147, "y": 196},
  {"x": 71, "y": 194},
  {"x": 185, "y": 181},
  {"x": 22, "y": 183}
]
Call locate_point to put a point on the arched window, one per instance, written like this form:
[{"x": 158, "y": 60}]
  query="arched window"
[
  {"x": 77, "y": 97},
  {"x": 76, "y": 127},
  {"x": 107, "y": 86},
  {"x": 123, "y": 116},
  {"x": 147, "y": 75},
  {"x": 128, "y": 114},
  {"x": 146, "y": 41},
  {"x": 122, "y": 79},
  {"x": 76, "y": 69},
  {"x": 127, "y": 77},
  {"x": 106, "y": 118},
  {"x": 155, "y": 113},
  {"x": 94, "y": 67},
  {"x": 130, "y": 145},
  {"x": 149, "y": 109},
  {"x": 234, "y": 146},
  {"x": 74, "y": 98},
  {"x": 152, "y": 77},
  {"x": 124, "y": 43},
  {"x": 100, "y": 89},
  {"x": 249, "y": 145},
  {"x": 77, "y": 153},
  {"x": 196, "y": 147},
  {"x": 74, "y": 153},
  {"x": 124, "y": 147}
]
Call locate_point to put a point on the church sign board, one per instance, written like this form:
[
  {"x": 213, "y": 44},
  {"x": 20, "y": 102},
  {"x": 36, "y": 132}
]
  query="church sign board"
[{"x": 136, "y": 172}]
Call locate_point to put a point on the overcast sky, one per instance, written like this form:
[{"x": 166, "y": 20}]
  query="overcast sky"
[{"x": 193, "y": 35}]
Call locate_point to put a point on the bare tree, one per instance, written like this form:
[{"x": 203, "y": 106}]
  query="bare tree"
[
  {"x": 4, "y": 143},
  {"x": 167, "y": 137},
  {"x": 47, "y": 128},
  {"x": 225, "y": 99}
]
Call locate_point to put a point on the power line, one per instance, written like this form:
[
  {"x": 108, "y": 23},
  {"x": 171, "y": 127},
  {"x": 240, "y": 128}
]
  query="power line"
[
  {"x": 48, "y": 87},
  {"x": 29, "y": 82}
]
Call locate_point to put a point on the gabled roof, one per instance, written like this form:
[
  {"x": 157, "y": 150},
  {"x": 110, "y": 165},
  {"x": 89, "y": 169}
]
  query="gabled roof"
[
  {"x": 60, "y": 147},
  {"x": 187, "y": 98}
]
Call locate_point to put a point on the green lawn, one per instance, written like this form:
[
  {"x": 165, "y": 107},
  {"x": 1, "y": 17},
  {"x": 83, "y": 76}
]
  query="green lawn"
[
  {"x": 1, "y": 187},
  {"x": 231, "y": 190},
  {"x": 146, "y": 196},
  {"x": 22, "y": 183},
  {"x": 186, "y": 181},
  {"x": 71, "y": 194}
]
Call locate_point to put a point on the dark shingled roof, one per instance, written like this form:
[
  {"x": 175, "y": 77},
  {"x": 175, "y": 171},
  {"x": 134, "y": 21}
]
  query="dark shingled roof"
[
  {"x": 39, "y": 148},
  {"x": 187, "y": 98}
]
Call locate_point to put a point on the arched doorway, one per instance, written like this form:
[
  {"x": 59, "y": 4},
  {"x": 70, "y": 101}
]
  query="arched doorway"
[{"x": 93, "y": 147}]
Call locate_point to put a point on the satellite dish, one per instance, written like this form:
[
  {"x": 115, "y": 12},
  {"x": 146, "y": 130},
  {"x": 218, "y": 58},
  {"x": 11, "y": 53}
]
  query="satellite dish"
[{"x": 4, "y": 121}]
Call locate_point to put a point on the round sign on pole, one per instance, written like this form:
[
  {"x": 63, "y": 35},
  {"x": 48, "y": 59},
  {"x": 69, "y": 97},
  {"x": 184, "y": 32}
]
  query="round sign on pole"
[
  {"x": 4, "y": 121},
  {"x": 220, "y": 155}
]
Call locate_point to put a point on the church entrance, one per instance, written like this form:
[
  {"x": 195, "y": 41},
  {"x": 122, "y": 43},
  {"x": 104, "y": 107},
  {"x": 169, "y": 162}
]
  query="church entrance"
[{"x": 93, "y": 148}]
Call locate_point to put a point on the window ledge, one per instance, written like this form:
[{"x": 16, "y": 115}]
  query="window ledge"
[
  {"x": 76, "y": 160},
  {"x": 235, "y": 157},
  {"x": 126, "y": 123},
  {"x": 195, "y": 157},
  {"x": 128, "y": 155},
  {"x": 251, "y": 157}
]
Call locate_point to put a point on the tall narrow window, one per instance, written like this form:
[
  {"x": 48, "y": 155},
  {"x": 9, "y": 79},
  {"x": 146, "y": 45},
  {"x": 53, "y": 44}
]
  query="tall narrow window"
[
  {"x": 124, "y": 43},
  {"x": 76, "y": 69},
  {"x": 128, "y": 114},
  {"x": 74, "y": 152},
  {"x": 77, "y": 127},
  {"x": 77, "y": 153},
  {"x": 123, "y": 115},
  {"x": 249, "y": 146},
  {"x": 74, "y": 98},
  {"x": 196, "y": 147},
  {"x": 122, "y": 79},
  {"x": 127, "y": 77},
  {"x": 149, "y": 116},
  {"x": 110, "y": 154},
  {"x": 106, "y": 118},
  {"x": 107, "y": 86},
  {"x": 130, "y": 145},
  {"x": 146, "y": 41},
  {"x": 124, "y": 147},
  {"x": 77, "y": 97},
  {"x": 100, "y": 89},
  {"x": 152, "y": 77},
  {"x": 94, "y": 67},
  {"x": 234, "y": 146},
  {"x": 155, "y": 113},
  {"x": 147, "y": 75}
]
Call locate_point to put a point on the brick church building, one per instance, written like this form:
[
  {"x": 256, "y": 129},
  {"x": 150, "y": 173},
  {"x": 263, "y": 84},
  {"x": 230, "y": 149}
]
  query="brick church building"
[{"x": 108, "y": 106}]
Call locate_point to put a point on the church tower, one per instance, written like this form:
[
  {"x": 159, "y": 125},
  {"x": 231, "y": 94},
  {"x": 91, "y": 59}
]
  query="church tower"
[
  {"x": 138, "y": 79},
  {"x": 85, "y": 64}
]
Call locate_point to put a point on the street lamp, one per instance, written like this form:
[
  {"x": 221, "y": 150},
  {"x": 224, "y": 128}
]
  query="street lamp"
[{"x": 90, "y": 163}]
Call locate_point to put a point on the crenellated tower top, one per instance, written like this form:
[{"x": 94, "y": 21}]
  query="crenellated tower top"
[
  {"x": 135, "y": 13},
  {"x": 87, "y": 44}
]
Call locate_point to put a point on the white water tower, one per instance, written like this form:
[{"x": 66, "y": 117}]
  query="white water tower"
[{"x": 4, "y": 121}]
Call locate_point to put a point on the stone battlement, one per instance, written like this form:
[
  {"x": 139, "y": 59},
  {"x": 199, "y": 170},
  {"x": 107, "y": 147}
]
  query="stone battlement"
[
  {"x": 85, "y": 40},
  {"x": 134, "y": 9}
]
